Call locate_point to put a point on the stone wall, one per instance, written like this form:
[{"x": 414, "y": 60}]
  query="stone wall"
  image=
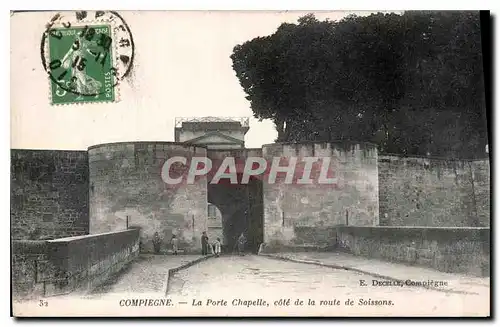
[
  {"x": 306, "y": 238},
  {"x": 55, "y": 193},
  {"x": 30, "y": 268},
  {"x": 126, "y": 181},
  {"x": 82, "y": 263},
  {"x": 455, "y": 250},
  {"x": 49, "y": 194},
  {"x": 480, "y": 182},
  {"x": 352, "y": 200},
  {"x": 61, "y": 266},
  {"x": 433, "y": 192}
]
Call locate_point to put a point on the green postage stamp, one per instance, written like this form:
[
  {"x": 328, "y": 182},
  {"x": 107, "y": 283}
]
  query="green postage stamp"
[
  {"x": 84, "y": 61},
  {"x": 81, "y": 65}
]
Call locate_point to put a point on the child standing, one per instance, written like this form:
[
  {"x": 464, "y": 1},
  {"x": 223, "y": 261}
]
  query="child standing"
[
  {"x": 175, "y": 244},
  {"x": 217, "y": 246},
  {"x": 157, "y": 243},
  {"x": 241, "y": 244}
]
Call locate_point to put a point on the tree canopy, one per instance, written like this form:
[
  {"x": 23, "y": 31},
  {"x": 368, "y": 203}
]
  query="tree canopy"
[{"x": 412, "y": 83}]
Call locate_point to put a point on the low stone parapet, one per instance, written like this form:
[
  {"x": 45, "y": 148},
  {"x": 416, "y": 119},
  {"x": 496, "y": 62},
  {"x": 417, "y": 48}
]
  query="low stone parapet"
[
  {"x": 30, "y": 267},
  {"x": 65, "y": 265},
  {"x": 449, "y": 249},
  {"x": 84, "y": 262}
]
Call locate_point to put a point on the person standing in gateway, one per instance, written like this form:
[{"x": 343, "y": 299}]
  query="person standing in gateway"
[
  {"x": 175, "y": 244},
  {"x": 204, "y": 243},
  {"x": 217, "y": 246},
  {"x": 157, "y": 243},
  {"x": 241, "y": 244}
]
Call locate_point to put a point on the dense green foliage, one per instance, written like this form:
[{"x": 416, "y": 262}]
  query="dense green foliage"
[{"x": 412, "y": 83}]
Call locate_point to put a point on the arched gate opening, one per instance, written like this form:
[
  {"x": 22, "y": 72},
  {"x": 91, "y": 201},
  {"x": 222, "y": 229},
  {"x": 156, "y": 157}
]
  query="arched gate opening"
[{"x": 241, "y": 207}]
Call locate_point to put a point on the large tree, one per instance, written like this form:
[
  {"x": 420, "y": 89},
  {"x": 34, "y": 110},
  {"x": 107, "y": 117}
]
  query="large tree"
[{"x": 412, "y": 83}]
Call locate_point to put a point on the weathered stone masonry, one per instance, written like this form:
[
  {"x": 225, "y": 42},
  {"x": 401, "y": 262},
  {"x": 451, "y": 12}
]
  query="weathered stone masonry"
[
  {"x": 125, "y": 180},
  {"x": 434, "y": 192},
  {"x": 49, "y": 194},
  {"x": 353, "y": 200},
  {"x": 110, "y": 187},
  {"x": 64, "y": 265},
  {"x": 62, "y": 193},
  {"x": 463, "y": 250}
]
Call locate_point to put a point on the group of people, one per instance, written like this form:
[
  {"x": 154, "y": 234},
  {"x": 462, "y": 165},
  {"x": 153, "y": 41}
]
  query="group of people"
[
  {"x": 216, "y": 246},
  {"x": 174, "y": 241},
  {"x": 206, "y": 247}
]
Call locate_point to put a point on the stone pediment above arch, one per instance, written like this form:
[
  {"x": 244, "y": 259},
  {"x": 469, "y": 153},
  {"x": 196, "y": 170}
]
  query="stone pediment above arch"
[{"x": 214, "y": 137}]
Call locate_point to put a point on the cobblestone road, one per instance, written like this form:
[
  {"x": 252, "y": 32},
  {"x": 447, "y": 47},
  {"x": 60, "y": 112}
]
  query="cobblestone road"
[
  {"x": 251, "y": 277},
  {"x": 256, "y": 286},
  {"x": 146, "y": 275}
]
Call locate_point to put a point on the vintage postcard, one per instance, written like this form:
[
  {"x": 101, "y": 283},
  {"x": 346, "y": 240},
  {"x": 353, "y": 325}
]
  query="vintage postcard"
[{"x": 250, "y": 163}]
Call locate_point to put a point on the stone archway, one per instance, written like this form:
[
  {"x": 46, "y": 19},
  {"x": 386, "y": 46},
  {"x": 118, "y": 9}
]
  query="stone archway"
[
  {"x": 241, "y": 207},
  {"x": 214, "y": 223}
]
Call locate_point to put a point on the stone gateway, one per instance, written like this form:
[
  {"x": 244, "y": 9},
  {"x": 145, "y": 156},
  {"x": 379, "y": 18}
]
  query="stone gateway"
[{"x": 123, "y": 187}]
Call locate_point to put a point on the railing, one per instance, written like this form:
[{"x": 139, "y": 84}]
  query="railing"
[{"x": 244, "y": 121}]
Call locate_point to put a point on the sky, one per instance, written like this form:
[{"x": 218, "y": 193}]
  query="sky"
[{"x": 182, "y": 68}]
